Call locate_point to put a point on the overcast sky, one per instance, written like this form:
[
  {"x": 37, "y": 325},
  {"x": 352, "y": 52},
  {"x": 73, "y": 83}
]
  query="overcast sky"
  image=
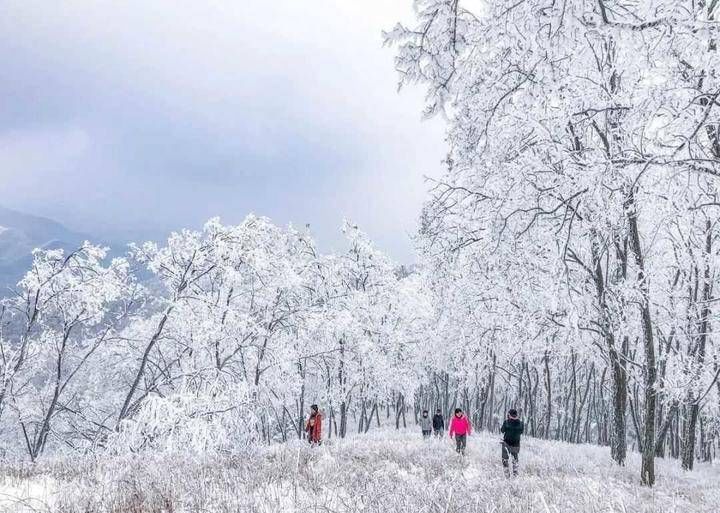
[{"x": 129, "y": 119}]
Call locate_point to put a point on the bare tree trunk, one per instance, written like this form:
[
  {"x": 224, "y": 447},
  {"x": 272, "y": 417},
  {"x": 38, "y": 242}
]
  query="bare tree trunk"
[
  {"x": 548, "y": 391},
  {"x": 491, "y": 386},
  {"x": 698, "y": 353},
  {"x": 126, "y": 407},
  {"x": 341, "y": 383},
  {"x": 300, "y": 424},
  {"x": 647, "y": 472},
  {"x": 618, "y": 441}
]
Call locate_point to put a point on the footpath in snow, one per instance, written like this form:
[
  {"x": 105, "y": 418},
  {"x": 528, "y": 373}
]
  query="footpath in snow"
[{"x": 381, "y": 471}]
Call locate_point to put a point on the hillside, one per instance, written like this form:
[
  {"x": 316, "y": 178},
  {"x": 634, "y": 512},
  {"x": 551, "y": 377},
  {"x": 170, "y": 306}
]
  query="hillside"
[
  {"x": 381, "y": 471},
  {"x": 21, "y": 233}
]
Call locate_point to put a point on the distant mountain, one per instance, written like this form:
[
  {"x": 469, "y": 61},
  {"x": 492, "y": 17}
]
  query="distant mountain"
[{"x": 21, "y": 233}]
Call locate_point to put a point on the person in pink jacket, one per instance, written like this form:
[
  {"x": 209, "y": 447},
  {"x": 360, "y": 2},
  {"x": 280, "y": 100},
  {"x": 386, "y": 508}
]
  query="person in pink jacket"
[{"x": 460, "y": 428}]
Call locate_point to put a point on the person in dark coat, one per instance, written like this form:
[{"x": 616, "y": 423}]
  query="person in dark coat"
[
  {"x": 438, "y": 423},
  {"x": 511, "y": 430}
]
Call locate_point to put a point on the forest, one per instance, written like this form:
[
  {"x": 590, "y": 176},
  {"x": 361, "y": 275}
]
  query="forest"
[{"x": 566, "y": 266}]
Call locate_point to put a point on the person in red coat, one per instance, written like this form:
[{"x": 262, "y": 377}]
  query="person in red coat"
[
  {"x": 460, "y": 428},
  {"x": 313, "y": 428}
]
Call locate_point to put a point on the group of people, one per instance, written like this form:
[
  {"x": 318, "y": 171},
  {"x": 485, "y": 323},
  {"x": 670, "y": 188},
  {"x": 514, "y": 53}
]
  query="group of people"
[{"x": 460, "y": 428}]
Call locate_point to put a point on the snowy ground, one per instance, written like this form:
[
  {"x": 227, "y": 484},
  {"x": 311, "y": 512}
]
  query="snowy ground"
[{"x": 382, "y": 471}]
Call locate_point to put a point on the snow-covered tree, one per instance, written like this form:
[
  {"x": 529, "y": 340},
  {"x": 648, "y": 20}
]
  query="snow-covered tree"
[
  {"x": 67, "y": 309},
  {"x": 572, "y": 129}
]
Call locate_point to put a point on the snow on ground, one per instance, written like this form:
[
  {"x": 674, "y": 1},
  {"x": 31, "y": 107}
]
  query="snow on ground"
[
  {"x": 377, "y": 472},
  {"x": 26, "y": 494}
]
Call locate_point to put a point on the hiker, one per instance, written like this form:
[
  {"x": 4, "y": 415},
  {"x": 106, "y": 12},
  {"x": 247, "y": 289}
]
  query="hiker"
[
  {"x": 314, "y": 426},
  {"x": 426, "y": 424},
  {"x": 438, "y": 423},
  {"x": 460, "y": 427},
  {"x": 511, "y": 429}
]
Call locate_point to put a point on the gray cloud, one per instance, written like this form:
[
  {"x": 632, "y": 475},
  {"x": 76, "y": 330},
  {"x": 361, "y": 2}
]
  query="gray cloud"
[{"x": 128, "y": 119}]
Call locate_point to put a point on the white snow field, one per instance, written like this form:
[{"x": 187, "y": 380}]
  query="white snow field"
[{"x": 377, "y": 472}]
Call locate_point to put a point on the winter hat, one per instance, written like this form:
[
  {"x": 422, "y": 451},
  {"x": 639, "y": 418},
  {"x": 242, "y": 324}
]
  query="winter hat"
[
  {"x": 457, "y": 410},
  {"x": 512, "y": 413}
]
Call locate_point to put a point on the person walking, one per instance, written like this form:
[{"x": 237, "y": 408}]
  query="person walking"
[
  {"x": 460, "y": 428},
  {"x": 426, "y": 424},
  {"x": 511, "y": 430},
  {"x": 313, "y": 427},
  {"x": 438, "y": 423}
]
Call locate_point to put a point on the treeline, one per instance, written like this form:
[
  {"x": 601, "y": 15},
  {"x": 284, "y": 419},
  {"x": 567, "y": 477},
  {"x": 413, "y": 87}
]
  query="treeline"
[
  {"x": 574, "y": 237},
  {"x": 222, "y": 338},
  {"x": 215, "y": 340}
]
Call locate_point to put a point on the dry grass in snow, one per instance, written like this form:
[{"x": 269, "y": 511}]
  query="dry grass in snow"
[{"x": 377, "y": 472}]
